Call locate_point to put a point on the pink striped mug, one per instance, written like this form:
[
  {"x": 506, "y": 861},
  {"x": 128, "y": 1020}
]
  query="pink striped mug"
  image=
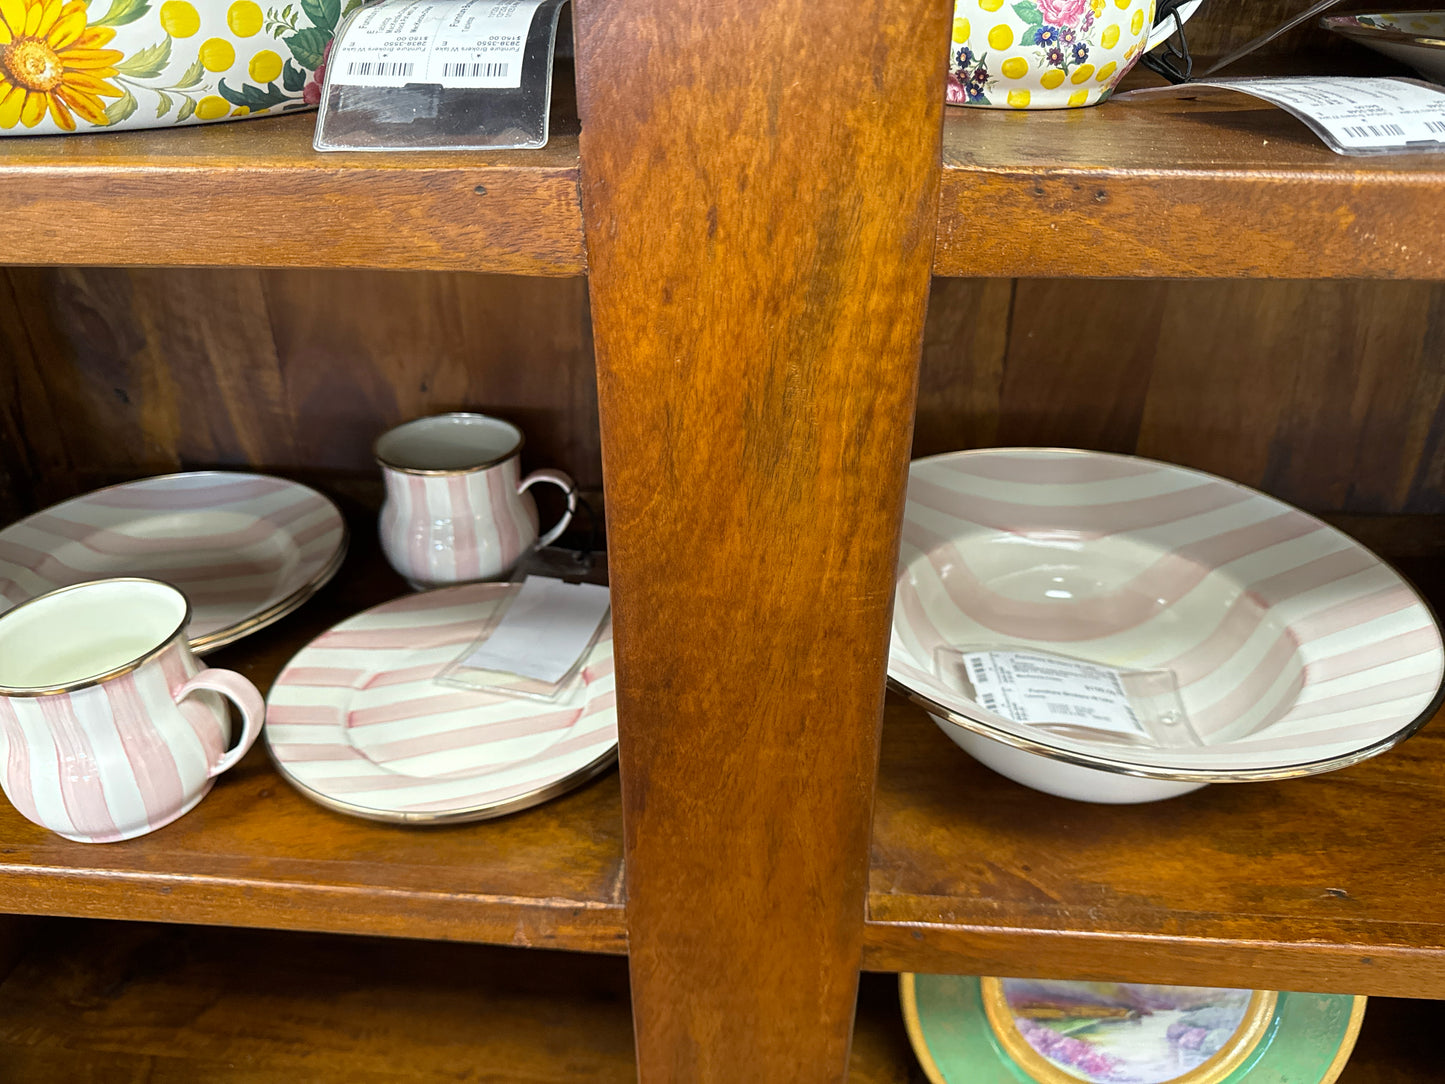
[
  {"x": 455, "y": 510},
  {"x": 109, "y": 727}
]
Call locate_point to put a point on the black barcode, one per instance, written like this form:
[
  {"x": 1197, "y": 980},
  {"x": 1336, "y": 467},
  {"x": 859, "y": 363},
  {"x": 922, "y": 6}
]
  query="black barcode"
[
  {"x": 397, "y": 69},
  {"x": 1435, "y": 125},
  {"x": 1379, "y": 131},
  {"x": 990, "y": 701},
  {"x": 478, "y": 70}
]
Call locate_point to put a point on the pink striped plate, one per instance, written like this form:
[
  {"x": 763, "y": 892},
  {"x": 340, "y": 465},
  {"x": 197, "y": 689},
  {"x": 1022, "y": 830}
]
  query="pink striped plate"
[
  {"x": 246, "y": 549},
  {"x": 358, "y": 722},
  {"x": 1296, "y": 650}
]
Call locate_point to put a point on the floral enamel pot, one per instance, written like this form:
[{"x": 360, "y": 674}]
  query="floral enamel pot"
[
  {"x": 89, "y": 65},
  {"x": 1047, "y": 54}
]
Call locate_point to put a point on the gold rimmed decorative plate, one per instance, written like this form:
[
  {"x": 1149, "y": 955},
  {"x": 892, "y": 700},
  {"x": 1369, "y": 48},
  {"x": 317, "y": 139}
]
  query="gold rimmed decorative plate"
[
  {"x": 968, "y": 1030},
  {"x": 247, "y": 549}
]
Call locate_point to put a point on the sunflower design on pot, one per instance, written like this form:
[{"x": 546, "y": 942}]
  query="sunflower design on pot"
[
  {"x": 90, "y": 65},
  {"x": 1044, "y": 54},
  {"x": 53, "y": 63}
]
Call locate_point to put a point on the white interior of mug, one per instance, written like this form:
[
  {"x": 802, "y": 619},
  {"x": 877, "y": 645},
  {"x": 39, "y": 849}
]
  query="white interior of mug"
[
  {"x": 75, "y": 635},
  {"x": 448, "y": 442}
]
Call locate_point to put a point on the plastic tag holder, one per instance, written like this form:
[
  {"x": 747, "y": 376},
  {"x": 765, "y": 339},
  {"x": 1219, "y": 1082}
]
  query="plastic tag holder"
[{"x": 430, "y": 117}]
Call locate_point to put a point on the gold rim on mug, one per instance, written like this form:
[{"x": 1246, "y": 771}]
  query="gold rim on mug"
[
  {"x": 1258, "y": 1015},
  {"x": 115, "y": 672},
  {"x": 515, "y": 450},
  {"x": 1179, "y": 775}
]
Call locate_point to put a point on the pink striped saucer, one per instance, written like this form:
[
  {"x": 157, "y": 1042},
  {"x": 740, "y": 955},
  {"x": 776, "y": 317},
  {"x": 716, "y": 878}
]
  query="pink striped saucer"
[
  {"x": 359, "y": 724},
  {"x": 246, "y": 549},
  {"x": 1296, "y": 650}
]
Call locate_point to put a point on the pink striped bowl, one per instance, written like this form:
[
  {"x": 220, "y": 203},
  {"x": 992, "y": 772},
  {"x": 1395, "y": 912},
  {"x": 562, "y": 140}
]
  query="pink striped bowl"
[
  {"x": 247, "y": 549},
  {"x": 358, "y": 722},
  {"x": 1296, "y": 650}
]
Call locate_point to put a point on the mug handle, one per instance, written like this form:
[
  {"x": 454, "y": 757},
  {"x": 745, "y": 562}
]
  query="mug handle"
[
  {"x": 244, "y": 695},
  {"x": 569, "y": 487},
  {"x": 1165, "y": 27}
]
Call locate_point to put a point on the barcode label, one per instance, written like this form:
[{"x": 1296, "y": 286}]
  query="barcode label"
[
  {"x": 475, "y": 71},
  {"x": 395, "y": 70},
  {"x": 1029, "y": 687},
  {"x": 462, "y": 44},
  {"x": 1378, "y": 131},
  {"x": 1436, "y": 126}
]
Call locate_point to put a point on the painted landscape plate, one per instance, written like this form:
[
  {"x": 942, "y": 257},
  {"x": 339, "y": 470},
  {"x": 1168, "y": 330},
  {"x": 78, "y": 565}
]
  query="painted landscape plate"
[
  {"x": 246, "y": 549},
  {"x": 358, "y": 722},
  {"x": 968, "y": 1030}
]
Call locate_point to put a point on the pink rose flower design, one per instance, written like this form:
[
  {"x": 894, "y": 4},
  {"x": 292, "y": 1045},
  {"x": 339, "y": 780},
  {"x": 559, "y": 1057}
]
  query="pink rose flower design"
[{"x": 1063, "y": 12}]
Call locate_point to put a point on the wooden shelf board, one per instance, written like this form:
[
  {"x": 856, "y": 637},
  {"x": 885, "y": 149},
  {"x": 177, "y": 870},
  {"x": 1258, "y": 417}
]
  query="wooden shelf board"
[
  {"x": 1333, "y": 883},
  {"x": 171, "y": 1005},
  {"x": 1216, "y": 185},
  {"x": 254, "y": 193},
  {"x": 257, "y": 853}
]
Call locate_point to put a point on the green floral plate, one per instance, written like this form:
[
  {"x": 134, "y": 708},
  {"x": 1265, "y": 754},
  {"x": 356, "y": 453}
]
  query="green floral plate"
[{"x": 968, "y": 1030}]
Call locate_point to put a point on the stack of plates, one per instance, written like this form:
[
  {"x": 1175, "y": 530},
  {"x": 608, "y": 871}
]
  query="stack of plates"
[{"x": 246, "y": 549}]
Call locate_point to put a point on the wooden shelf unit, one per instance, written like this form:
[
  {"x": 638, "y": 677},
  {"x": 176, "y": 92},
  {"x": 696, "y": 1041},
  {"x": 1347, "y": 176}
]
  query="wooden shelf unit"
[{"x": 759, "y": 255}]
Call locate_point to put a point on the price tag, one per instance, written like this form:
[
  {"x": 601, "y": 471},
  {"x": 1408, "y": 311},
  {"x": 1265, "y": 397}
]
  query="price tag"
[
  {"x": 1356, "y": 115},
  {"x": 449, "y": 43},
  {"x": 1033, "y": 688}
]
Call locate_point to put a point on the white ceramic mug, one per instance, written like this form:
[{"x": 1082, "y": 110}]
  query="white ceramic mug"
[
  {"x": 456, "y": 510},
  {"x": 109, "y": 727}
]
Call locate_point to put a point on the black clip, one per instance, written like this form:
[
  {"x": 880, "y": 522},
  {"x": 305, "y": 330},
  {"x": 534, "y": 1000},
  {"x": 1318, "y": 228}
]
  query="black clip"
[{"x": 1173, "y": 62}]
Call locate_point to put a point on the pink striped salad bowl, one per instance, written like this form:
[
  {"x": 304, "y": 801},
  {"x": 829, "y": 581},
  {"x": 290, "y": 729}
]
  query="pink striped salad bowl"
[
  {"x": 109, "y": 727},
  {"x": 457, "y": 509},
  {"x": 1293, "y": 649}
]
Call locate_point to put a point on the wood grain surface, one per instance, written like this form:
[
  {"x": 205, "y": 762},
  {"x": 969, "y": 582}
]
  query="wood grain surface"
[
  {"x": 115, "y": 373},
  {"x": 255, "y": 194},
  {"x": 1325, "y": 394},
  {"x": 1199, "y": 184},
  {"x": 759, "y": 235},
  {"x": 116, "y": 1002},
  {"x": 256, "y": 852}
]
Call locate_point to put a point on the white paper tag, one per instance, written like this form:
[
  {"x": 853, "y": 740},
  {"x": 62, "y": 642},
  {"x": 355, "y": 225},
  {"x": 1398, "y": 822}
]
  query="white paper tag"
[
  {"x": 545, "y": 630},
  {"x": 1032, "y": 688},
  {"x": 1355, "y": 115},
  {"x": 451, "y": 43}
]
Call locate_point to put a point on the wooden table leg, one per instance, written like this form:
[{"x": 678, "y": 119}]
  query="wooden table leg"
[{"x": 760, "y": 186}]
